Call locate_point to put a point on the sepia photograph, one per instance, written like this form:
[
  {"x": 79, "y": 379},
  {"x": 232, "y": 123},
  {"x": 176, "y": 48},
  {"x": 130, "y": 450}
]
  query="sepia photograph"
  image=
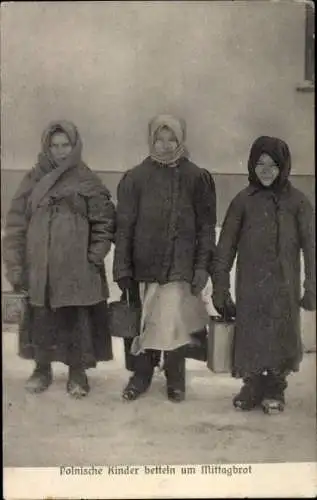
[{"x": 158, "y": 249}]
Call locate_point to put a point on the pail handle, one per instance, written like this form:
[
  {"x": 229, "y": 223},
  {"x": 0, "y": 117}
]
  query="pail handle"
[{"x": 221, "y": 319}]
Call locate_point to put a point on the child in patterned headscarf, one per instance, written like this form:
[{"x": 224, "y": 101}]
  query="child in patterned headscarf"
[{"x": 58, "y": 231}]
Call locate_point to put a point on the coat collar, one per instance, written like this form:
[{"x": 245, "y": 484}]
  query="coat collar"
[{"x": 252, "y": 190}]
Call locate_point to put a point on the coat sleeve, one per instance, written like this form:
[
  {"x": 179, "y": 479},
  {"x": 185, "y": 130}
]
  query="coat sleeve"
[
  {"x": 306, "y": 227},
  {"x": 227, "y": 246},
  {"x": 101, "y": 217},
  {"x": 205, "y": 210},
  {"x": 127, "y": 211},
  {"x": 14, "y": 240}
]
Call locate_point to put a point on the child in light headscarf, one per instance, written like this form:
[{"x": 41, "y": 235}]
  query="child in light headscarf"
[{"x": 166, "y": 218}]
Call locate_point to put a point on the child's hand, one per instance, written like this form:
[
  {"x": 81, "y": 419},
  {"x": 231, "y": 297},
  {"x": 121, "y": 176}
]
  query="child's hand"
[
  {"x": 199, "y": 281},
  {"x": 94, "y": 259},
  {"x": 308, "y": 301},
  {"x": 97, "y": 252},
  {"x": 230, "y": 308},
  {"x": 224, "y": 304},
  {"x": 218, "y": 300},
  {"x": 125, "y": 283}
]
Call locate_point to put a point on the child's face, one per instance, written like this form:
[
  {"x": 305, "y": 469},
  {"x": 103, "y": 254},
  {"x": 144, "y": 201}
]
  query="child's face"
[
  {"x": 166, "y": 141},
  {"x": 60, "y": 146},
  {"x": 266, "y": 170}
]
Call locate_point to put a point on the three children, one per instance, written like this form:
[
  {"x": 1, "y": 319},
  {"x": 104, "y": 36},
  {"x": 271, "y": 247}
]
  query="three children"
[{"x": 165, "y": 240}]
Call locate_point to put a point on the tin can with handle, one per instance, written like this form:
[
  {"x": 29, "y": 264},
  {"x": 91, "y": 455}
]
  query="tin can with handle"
[
  {"x": 13, "y": 306},
  {"x": 220, "y": 344},
  {"x": 124, "y": 318}
]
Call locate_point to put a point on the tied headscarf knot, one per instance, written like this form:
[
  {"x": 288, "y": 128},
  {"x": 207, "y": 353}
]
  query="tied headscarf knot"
[
  {"x": 50, "y": 168},
  {"x": 178, "y": 127}
]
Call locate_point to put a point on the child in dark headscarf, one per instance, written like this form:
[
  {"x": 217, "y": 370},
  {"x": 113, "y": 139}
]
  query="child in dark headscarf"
[
  {"x": 266, "y": 226},
  {"x": 58, "y": 231}
]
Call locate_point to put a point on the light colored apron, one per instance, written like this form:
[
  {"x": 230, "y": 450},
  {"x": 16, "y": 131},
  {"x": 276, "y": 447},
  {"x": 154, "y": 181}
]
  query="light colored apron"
[{"x": 170, "y": 313}]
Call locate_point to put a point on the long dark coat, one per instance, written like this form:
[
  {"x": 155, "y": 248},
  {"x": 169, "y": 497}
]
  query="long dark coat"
[
  {"x": 165, "y": 222},
  {"x": 51, "y": 242},
  {"x": 267, "y": 229}
]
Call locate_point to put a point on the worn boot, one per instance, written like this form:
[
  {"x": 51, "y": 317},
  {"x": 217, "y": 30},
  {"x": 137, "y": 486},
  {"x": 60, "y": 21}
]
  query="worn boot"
[
  {"x": 141, "y": 379},
  {"x": 174, "y": 368},
  {"x": 77, "y": 384},
  {"x": 251, "y": 393},
  {"x": 274, "y": 397},
  {"x": 40, "y": 380}
]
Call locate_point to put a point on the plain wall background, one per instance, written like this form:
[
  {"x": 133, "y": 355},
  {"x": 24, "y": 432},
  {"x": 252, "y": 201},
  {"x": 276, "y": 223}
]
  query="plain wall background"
[{"x": 229, "y": 68}]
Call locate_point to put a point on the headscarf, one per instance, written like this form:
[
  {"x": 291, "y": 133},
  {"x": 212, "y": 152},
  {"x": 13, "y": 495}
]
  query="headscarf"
[
  {"x": 70, "y": 130},
  {"x": 49, "y": 170},
  {"x": 178, "y": 127},
  {"x": 279, "y": 151}
]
